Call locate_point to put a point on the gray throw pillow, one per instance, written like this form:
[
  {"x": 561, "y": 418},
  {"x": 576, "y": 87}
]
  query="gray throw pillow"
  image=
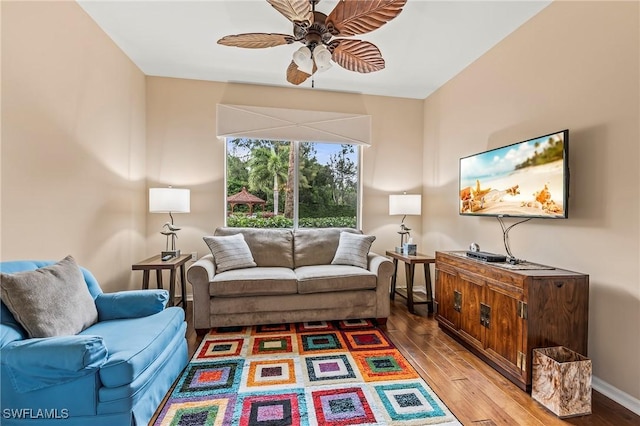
[
  {"x": 50, "y": 301},
  {"x": 353, "y": 249},
  {"x": 230, "y": 252}
]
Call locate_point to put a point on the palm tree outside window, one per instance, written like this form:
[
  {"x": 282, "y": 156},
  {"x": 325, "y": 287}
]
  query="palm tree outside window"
[{"x": 304, "y": 184}]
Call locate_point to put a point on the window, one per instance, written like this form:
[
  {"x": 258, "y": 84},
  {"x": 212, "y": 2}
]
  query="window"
[{"x": 279, "y": 184}]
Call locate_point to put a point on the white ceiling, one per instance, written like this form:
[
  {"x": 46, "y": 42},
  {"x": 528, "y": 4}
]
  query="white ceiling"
[{"x": 424, "y": 47}]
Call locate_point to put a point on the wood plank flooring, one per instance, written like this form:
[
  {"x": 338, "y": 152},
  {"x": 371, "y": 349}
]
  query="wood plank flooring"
[{"x": 475, "y": 393}]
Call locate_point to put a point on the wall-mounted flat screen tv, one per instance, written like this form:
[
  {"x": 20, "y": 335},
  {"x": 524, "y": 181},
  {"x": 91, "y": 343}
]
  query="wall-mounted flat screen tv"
[{"x": 525, "y": 179}]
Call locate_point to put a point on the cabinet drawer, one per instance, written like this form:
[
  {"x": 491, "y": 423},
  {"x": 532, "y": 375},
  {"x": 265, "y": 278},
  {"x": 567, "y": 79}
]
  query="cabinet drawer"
[{"x": 444, "y": 267}]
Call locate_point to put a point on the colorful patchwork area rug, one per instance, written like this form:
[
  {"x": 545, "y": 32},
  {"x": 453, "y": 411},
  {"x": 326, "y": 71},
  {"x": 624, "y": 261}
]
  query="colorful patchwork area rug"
[{"x": 321, "y": 373}]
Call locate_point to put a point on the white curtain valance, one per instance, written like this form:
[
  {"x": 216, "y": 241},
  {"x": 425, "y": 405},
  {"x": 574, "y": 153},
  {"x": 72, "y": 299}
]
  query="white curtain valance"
[{"x": 244, "y": 121}]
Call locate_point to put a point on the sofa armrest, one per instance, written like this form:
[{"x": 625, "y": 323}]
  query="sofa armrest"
[
  {"x": 202, "y": 271},
  {"x": 383, "y": 268},
  {"x": 379, "y": 265},
  {"x": 131, "y": 304},
  {"x": 39, "y": 363},
  {"x": 200, "y": 274}
]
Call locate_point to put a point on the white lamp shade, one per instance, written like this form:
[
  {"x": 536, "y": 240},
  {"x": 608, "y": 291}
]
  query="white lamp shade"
[
  {"x": 169, "y": 200},
  {"x": 302, "y": 58},
  {"x": 322, "y": 56},
  {"x": 405, "y": 204}
]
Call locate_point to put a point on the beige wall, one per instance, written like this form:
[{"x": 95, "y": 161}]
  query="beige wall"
[
  {"x": 574, "y": 65},
  {"x": 73, "y": 142},
  {"x": 183, "y": 151}
]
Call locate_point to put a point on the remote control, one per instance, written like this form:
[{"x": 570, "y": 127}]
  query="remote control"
[{"x": 166, "y": 257}]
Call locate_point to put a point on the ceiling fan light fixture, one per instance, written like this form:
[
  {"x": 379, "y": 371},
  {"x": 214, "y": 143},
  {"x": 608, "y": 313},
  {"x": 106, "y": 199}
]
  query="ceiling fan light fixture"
[
  {"x": 302, "y": 58},
  {"x": 317, "y": 30},
  {"x": 322, "y": 57}
]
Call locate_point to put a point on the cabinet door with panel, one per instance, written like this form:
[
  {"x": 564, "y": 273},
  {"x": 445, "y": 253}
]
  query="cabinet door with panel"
[
  {"x": 472, "y": 313},
  {"x": 448, "y": 299},
  {"x": 504, "y": 339}
]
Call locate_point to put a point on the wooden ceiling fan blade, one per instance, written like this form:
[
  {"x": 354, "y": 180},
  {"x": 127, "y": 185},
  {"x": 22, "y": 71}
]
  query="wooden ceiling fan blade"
[
  {"x": 256, "y": 40},
  {"x": 295, "y": 76},
  {"x": 294, "y": 10},
  {"x": 353, "y": 17},
  {"x": 357, "y": 55}
]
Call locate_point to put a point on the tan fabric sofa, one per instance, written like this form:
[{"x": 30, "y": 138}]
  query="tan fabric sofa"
[{"x": 294, "y": 281}]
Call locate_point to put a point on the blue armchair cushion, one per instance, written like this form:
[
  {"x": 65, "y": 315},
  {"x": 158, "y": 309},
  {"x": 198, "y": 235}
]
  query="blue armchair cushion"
[
  {"x": 134, "y": 344},
  {"x": 39, "y": 363},
  {"x": 50, "y": 301},
  {"x": 130, "y": 304},
  {"x": 10, "y": 329}
]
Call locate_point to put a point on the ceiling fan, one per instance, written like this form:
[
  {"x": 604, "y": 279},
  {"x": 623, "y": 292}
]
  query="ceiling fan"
[{"x": 318, "y": 33}]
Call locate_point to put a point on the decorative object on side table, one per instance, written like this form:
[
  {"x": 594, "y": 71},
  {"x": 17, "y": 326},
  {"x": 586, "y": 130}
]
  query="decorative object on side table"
[
  {"x": 169, "y": 200},
  {"x": 409, "y": 249},
  {"x": 405, "y": 204}
]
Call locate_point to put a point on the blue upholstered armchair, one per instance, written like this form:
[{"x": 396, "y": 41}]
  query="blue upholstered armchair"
[{"x": 113, "y": 373}]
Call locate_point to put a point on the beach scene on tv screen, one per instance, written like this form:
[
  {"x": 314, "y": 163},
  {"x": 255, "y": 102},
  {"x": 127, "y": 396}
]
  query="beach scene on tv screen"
[{"x": 524, "y": 179}]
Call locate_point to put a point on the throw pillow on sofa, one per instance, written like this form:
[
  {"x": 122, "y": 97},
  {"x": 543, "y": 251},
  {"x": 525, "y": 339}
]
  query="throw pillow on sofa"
[
  {"x": 230, "y": 252},
  {"x": 353, "y": 249},
  {"x": 50, "y": 301}
]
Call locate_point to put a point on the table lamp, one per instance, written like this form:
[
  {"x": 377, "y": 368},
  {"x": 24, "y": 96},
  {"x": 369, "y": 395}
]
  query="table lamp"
[
  {"x": 404, "y": 204},
  {"x": 169, "y": 200}
]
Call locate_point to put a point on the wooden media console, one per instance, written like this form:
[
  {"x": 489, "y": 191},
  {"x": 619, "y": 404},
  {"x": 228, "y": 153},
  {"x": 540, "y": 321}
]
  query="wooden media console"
[{"x": 501, "y": 312}]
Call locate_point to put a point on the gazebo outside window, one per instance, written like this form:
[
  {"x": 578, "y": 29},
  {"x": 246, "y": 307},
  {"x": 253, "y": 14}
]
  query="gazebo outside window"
[{"x": 243, "y": 197}]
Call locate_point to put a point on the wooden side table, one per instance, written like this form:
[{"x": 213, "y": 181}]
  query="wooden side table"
[
  {"x": 155, "y": 263},
  {"x": 410, "y": 263}
]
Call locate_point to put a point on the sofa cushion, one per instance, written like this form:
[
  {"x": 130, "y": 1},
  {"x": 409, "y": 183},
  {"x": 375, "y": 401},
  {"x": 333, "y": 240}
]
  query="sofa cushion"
[
  {"x": 264, "y": 310},
  {"x": 132, "y": 351},
  {"x": 50, "y": 301},
  {"x": 353, "y": 250},
  {"x": 328, "y": 278},
  {"x": 269, "y": 247},
  {"x": 254, "y": 282},
  {"x": 317, "y": 246},
  {"x": 230, "y": 252}
]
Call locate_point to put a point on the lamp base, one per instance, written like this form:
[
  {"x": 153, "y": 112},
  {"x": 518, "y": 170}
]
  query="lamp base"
[{"x": 172, "y": 253}]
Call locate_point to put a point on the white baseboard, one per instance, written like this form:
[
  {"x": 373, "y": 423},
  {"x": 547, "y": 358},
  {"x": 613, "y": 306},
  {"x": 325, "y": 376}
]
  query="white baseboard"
[{"x": 616, "y": 395}]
